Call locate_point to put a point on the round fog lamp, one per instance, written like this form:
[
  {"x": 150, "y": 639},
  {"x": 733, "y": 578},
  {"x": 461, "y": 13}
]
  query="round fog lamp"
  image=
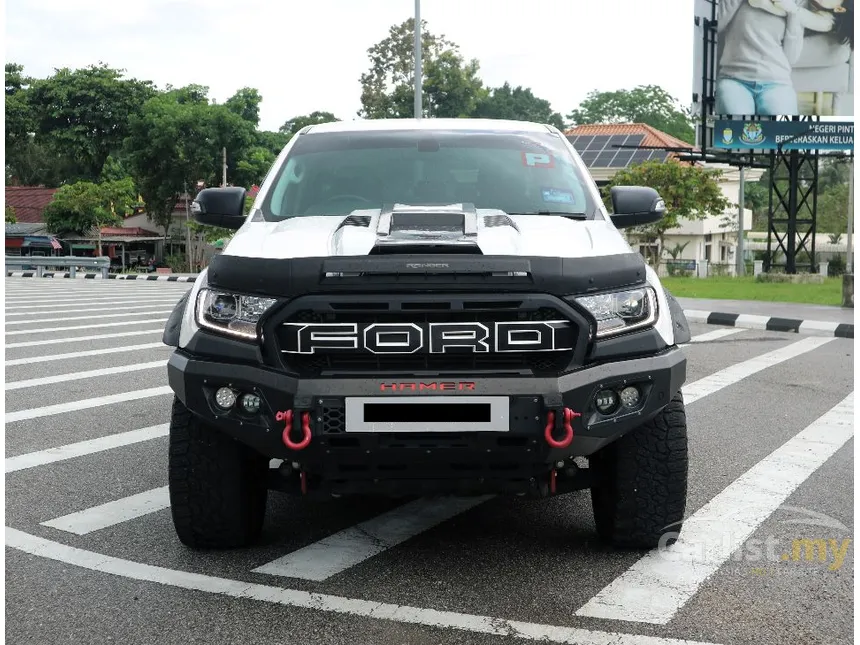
[
  {"x": 630, "y": 396},
  {"x": 606, "y": 401},
  {"x": 251, "y": 403},
  {"x": 225, "y": 398}
]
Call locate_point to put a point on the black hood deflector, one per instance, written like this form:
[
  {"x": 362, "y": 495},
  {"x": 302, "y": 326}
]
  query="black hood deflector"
[{"x": 296, "y": 277}]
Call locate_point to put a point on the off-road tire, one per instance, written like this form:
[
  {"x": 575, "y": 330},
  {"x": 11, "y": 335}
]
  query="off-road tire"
[
  {"x": 639, "y": 490},
  {"x": 218, "y": 486}
]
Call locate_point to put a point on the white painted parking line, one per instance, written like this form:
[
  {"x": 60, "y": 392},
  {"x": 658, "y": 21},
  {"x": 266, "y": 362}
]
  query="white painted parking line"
[
  {"x": 717, "y": 334},
  {"x": 339, "y": 552},
  {"x": 83, "y": 448},
  {"x": 108, "y": 306},
  {"x": 658, "y": 585},
  {"x": 100, "y": 296},
  {"x": 49, "y": 301},
  {"x": 739, "y": 371},
  {"x": 86, "y": 404},
  {"x": 46, "y": 330},
  {"x": 90, "y": 352},
  {"x": 79, "y": 339},
  {"x": 92, "y": 316},
  {"x": 77, "y": 376},
  {"x": 112, "y": 513},
  {"x": 245, "y": 591}
]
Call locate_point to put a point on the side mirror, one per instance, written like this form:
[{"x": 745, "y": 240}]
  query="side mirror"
[
  {"x": 635, "y": 206},
  {"x": 224, "y": 207}
]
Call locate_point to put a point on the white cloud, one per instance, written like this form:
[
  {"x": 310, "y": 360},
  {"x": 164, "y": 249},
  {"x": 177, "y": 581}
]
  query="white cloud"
[{"x": 305, "y": 56}]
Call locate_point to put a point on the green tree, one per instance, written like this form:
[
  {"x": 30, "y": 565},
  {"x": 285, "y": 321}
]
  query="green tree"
[
  {"x": 15, "y": 79},
  {"x": 648, "y": 104},
  {"x": 176, "y": 141},
  {"x": 519, "y": 104},
  {"x": 11, "y": 218},
  {"x": 84, "y": 114},
  {"x": 79, "y": 207},
  {"x": 832, "y": 215},
  {"x": 21, "y": 152},
  {"x": 833, "y": 172},
  {"x": 274, "y": 142},
  {"x": 690, "y": 193},
  {"x": 246, "y": 103},
  {"x": 292, "y": 126},
  {"x": 252, "y": 168},
  {"x": 449, "y": 85},
  {"x": 193, "y": 93}
]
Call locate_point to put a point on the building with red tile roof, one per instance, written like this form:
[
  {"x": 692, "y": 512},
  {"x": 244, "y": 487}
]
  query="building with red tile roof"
[
  {"x": 606, "y": 148},
  {"x": 597, "y": 145},
  {"x": 29, "y": 202}
]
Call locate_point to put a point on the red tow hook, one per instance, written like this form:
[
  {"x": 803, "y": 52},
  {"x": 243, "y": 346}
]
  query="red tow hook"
[
  {"x": 287, "y": 417},
  {"x": 569, "y": 415}
]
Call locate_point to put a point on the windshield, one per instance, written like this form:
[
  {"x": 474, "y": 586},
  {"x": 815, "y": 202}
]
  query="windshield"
[{"x": 340, "y": 172}]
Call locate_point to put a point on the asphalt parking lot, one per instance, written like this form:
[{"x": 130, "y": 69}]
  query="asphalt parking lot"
[{"x": 91, "y": 556}]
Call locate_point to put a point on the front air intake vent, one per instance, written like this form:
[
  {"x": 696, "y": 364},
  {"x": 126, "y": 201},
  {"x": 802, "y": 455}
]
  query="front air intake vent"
[
  {"x": 360, "y": 221},
  {"x": 424, "y": 248},
  {"x": 495, "y": 221}
]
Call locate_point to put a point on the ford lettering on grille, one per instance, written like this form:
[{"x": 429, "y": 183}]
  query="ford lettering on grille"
[{"x": 433, "y": 338}]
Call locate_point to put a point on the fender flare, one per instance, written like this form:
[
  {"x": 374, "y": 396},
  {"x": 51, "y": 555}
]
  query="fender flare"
[
  {"x": 680, "y": 326},
  {"x": 173, "y": 326}
]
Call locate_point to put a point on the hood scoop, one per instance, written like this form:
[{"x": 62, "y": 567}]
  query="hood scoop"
[{"x": 404, "y": 230}]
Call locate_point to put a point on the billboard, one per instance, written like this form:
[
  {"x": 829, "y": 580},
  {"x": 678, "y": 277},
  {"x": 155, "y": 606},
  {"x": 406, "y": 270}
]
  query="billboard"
[
  {"x": 774, "y": 57},
  {"x": 785, "y": 135}
]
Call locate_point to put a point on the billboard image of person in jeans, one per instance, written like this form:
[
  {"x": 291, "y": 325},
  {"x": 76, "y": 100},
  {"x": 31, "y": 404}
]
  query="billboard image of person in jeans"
[{"x": 762, "y": 40}]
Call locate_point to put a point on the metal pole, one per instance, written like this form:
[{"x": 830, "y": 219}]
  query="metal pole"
[
  {"x": 739, "y": 260},
  {"x": 224, "y": 167},
  {"x": 418, "y": 70},
  {"x": 849, "y": 250},
  {"x": 188, "y": 233}
]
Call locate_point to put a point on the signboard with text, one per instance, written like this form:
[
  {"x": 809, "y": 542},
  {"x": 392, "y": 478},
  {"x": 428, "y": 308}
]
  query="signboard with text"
[{"x": 787, "y": 135}]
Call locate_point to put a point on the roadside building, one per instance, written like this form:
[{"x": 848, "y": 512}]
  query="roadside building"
[{"x": 695, "y": 244}]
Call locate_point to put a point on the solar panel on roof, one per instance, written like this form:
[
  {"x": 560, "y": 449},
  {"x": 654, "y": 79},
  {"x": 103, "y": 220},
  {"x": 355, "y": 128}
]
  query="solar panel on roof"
[
  {"x": 639, "y": 156},
  {"x": 583, "y": 142},
  {"x": 598, "y": 143},
  {"x": 606, "y": 151},
  {"x": 604, "y": 159},
  {"x": 588, "y": 158},
  {"x": 658, "y": 155},
  {"x": 635, "y": 140},
  {"x": 622, "y": 159}
]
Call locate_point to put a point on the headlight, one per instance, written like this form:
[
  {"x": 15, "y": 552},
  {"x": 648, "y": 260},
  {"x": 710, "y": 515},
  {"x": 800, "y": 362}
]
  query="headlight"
[
  {"x": 621, "y": 311},
  {"x": 231, "y": 314}
]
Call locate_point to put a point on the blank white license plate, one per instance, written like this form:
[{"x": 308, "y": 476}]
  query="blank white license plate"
[{"x": 428, "y": 414}]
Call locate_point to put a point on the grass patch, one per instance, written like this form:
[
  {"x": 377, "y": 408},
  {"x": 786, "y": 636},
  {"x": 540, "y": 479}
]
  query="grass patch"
[{"x": 746, "y": 288}]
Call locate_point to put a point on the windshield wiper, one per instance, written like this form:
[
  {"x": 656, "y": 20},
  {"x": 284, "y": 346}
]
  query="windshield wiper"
[{"x": 569, "y": 215}]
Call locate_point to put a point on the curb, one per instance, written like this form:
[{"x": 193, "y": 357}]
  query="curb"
[
  {"x": 98, "y": 276},
  {"x": 771, "y": 323}
]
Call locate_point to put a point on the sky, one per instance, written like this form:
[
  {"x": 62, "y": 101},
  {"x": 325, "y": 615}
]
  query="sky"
[{"x": 308, "y": 55}]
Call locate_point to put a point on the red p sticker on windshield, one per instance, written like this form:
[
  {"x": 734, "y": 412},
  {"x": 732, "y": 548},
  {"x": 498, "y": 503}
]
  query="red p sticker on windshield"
[{"x": 538, "y": 160}]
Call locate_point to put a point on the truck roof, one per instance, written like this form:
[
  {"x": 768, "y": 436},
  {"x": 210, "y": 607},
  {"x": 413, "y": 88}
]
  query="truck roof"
[{"x": 368, "y": 125}]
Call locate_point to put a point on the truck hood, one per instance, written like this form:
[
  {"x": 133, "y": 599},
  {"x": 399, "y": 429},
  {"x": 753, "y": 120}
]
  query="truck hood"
[{"x": 495, "y": 233}]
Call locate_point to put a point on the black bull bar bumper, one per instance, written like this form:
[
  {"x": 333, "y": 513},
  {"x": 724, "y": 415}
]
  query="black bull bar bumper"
[{"x": 304, "y": 421}]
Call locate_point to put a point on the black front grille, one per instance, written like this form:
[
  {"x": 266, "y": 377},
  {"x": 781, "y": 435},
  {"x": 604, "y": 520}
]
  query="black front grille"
[{"x": 362, "y": 362}]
